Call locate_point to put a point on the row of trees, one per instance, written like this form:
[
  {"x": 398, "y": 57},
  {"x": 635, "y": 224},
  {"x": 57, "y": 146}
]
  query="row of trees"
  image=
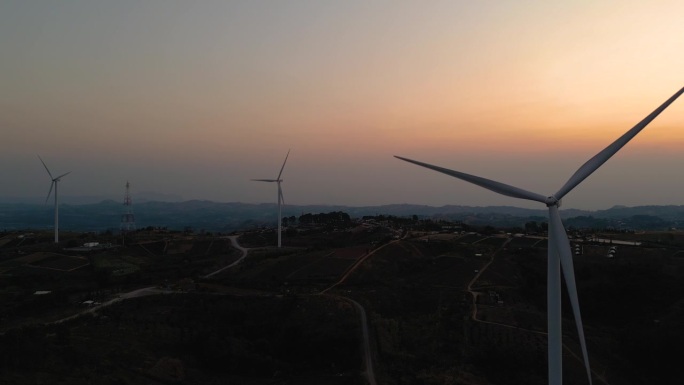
[{"x": 331, "y": 218}]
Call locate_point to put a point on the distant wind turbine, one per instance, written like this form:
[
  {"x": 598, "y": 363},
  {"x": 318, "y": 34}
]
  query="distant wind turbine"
[
  {"x": 559, "y": 253},
  {"x": 281, "y": 199},
  {"x": 54, "y": 184}
]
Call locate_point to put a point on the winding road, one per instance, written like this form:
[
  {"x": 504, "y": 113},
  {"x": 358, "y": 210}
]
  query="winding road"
[
  {"x": 234, "y": 242},
  {"x": 368, "y": 361},
  {"x": 476, "y": 294},
  {"x": 368, "y": 358},
  {"x": 152, "y": 290}
]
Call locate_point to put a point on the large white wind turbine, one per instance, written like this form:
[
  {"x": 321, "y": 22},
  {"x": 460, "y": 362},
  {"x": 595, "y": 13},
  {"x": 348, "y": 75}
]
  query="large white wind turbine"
[
  {"x": 559, "y": 253},
  {"x": 55, "y": 182},
  {"x": 281, "y": 199}
]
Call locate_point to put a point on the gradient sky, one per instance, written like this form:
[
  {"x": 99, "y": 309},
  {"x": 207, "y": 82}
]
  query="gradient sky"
[{"x": 194, "y": 98}]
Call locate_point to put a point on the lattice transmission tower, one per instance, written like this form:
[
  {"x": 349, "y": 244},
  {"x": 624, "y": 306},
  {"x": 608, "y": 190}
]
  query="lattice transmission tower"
[{"x": 128, "y": 219}]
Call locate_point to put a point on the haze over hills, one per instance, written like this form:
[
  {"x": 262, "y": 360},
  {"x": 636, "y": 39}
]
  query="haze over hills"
[
  {"x": 224, "y": 217},
  {"x": 144, "y": 196}
]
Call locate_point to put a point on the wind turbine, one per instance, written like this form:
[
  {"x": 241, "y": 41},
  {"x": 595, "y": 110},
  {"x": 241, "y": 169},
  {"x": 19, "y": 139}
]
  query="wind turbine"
[
  {"x": 281, "y": 199},
  {"x": 559, "y": 253},
  {"x": 54, "y": 184}
]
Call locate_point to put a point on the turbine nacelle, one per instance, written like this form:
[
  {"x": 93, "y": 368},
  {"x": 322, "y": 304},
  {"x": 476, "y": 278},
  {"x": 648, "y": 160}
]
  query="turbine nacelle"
[
  {"x": 59, "y": 178},
  {"x": 552, "y": 201}
]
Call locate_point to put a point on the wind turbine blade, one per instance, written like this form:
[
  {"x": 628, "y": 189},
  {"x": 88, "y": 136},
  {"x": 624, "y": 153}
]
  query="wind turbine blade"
[
  {"x": 46, "y": 169},
  {"x": 63, "y": 175},
  {"x": 594, "y": 163},
  {"x": 562, "y": 244},
  {"x": 50, "y": 192},
  {"x": 553, "y": 308},
  {"x": 264, "y": 180},
  {"x": 497, "y": 187},
  {"x": 283, "y": 167}
]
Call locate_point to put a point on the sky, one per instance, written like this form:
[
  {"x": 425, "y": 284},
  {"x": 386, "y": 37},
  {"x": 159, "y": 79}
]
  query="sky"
[{"x": 195, "y": 98}]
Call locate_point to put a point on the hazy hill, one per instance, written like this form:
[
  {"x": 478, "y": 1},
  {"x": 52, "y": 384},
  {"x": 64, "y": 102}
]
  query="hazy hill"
[{"x": 217, "y": 216}]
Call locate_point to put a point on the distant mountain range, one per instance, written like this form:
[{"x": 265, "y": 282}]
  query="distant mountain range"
[
  {"x": 224, "y": 217},
  {"x": 140, "y": 197}
]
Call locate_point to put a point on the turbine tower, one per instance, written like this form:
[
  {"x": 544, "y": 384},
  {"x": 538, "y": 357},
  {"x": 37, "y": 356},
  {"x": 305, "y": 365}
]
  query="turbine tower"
[
  {"x": 281, "y": 199},
  {"x": 54, "y": 184},
  {"x": 559, "y": 253}
]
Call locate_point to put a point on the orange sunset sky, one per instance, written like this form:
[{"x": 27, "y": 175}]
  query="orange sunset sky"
[{"x": 194, "y": 98}]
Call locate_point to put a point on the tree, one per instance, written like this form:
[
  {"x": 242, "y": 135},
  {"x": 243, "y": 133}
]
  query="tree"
[{"x": 532, "y": 227}]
